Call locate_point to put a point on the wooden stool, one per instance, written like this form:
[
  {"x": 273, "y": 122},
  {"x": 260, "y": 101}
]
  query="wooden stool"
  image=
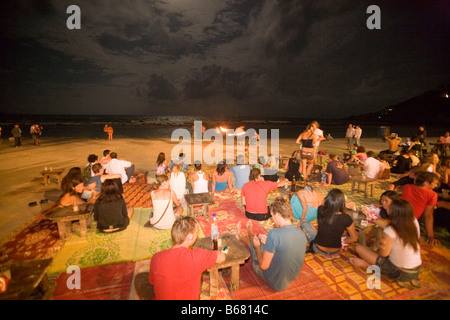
[
  {"x": 366, "y": 183},
  {"x": 199, "y": 199},
  {"x": 48, "y": 173},
  {"x": 65, "y": 216}
]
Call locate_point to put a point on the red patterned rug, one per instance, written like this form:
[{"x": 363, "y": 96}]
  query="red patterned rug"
[{"x": 109, "y": 282}]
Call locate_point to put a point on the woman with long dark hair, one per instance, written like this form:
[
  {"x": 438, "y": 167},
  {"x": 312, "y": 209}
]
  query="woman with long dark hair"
[
  {"x": 399, "y": 256},
  {"x": 221, "y": 178},
  {"x": 110, "y": 209},
  {"x": 161, "y": 165},
  {"x": 332, "y": 223}
]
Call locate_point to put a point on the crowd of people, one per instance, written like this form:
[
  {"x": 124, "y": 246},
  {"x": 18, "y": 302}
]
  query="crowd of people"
[{"x": 277, "y": 257}]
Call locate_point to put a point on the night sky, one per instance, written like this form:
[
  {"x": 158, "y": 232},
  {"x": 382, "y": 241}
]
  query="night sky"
[{"x": 217, "y": 57}]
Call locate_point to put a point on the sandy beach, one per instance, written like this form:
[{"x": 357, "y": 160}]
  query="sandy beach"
[{"x": 23, "y": 183}]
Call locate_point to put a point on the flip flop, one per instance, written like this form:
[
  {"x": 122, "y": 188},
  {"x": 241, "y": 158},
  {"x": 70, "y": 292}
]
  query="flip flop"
[{"x": 32, "y": 204}]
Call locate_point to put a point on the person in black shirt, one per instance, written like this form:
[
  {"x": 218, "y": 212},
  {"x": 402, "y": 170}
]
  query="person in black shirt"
[
  {"x": 332, "y": 223},
  {"x": 402, "y": 163},
  {"x": 110, "y": 209}
]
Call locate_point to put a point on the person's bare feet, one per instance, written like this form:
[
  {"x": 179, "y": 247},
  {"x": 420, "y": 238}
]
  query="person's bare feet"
[
  {"x": 358, "y": 262},
  {"x": 238, "y": 231},
  {"x": 250, "y": 229}
]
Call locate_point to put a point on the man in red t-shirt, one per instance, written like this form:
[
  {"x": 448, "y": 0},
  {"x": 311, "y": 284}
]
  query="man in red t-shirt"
[
  {"x": 176, "y": 273},
  {"x": 254, "y": 195},
  {"x": 423, "y": 199}
]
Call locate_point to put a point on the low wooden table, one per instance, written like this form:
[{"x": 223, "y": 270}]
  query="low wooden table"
[
  {"x": 65, "y": 216},
  {"x": 362, "y": 229},
  {"x": 365, "y": 182},
  {"x": 199, "y": 199},
  {"x": 47, "y": 173},
  {"x": 26, "y": 278},
  {"x": 237, "y": 254}
]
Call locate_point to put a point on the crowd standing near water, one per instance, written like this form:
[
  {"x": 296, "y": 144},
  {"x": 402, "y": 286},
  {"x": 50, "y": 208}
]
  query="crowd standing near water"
[{"x": 277, "y": 257}]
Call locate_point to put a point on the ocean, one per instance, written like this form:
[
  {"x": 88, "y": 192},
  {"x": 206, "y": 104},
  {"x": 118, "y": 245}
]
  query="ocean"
[{"x": 148, "y": 127}]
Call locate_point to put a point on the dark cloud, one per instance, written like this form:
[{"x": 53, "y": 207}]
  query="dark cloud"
[{"x": 288, "y": 58}]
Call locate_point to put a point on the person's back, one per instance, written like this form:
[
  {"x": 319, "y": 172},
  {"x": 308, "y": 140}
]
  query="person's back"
[
  {"x": 403, "y": 256},
  {"x": 338, "y": 172},
  {"x": 288, "y": 245},
  {"x": 163, "y": 215},
  {"x": 178, "y": 183},
  {"x": 241, "y": 172},
  {"x": 176, "y": 272},
  {"x": 200, "y": 182},
  {"x": 372, "y": 166}
]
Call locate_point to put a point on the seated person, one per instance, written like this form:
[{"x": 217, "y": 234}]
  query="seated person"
[
  {"x": 399, "y": 256},
  {"x": 335, "y": 171},
  {"x": 360, "y": 156},
  {"x": 177, "y": 182},
  {"x": 385, "y": 208},
  {"x": 221, "y": 178},
  {"x": 110, "y": 210},
  {"x": 332, "y": 223},
  {"x": 372, "y": 166},
  {"x": 423, "y": 200},
  {"x": 87, "y": 170},
  {"x": 270, "y": 168},
  {"x": 185, "y": 166},
  {"x": 241, "y": 172},
  {"x": 254, "y": 195},
  {"x": 176, "y": 273},
  {"x": 72, "y": 193},
  {"x": 305, "y": 204},
  {"x": 74, "y": 173},
  {"x": 199, "y": 179},
  {"x": 394, "y": 140},
  {"x": 292, "y": 166},
  {"x": 98, "y": 178},
  {"x": 161, "y": 165},
  {"x": 278, "y": 257},
  {"x": 123, "y": 167},
  {"x": 402, "y": 163},
  {"x": 163, "y": 200}
]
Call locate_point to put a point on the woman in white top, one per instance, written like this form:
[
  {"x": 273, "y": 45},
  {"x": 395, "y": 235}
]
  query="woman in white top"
[
  {"x": 163, "y": 200},
  {"x": 399, "y": 256},
  {"x": 199, "y": 180},
  {"x": 177, "y": 182}
]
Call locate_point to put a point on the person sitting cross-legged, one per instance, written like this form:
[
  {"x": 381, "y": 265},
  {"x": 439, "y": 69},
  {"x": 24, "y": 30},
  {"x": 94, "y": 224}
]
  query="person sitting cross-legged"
[
  {"x": 398, "y": 254},
  {"x": 175, "y": 273},
  {"x": 277, "y": 257}
]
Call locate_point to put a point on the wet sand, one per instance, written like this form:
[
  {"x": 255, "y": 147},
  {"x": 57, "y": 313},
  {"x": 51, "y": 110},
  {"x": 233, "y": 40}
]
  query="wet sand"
[{"x": 23, "y": 183}]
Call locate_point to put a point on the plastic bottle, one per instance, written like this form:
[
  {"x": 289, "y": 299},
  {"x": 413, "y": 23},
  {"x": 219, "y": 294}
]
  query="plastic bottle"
[
  {"x": 215, "y": 233},
  {"x": 324, "y": 178}
]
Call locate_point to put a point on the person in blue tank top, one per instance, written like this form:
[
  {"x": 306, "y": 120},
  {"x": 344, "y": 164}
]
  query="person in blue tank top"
[
  {"x": 305, "y": 204},
  {"x": 221, "y": 178}
]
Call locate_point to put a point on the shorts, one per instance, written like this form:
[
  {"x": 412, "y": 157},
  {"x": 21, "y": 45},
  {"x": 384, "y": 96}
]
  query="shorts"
[
  {"x": 393, "y": 272},
  {"x": 308, "y": 155},
  {"x": 258, "y": 216}
]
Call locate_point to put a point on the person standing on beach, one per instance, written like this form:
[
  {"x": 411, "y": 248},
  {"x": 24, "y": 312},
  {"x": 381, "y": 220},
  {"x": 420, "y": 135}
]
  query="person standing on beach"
[
  {"x": 319, "y": 135},
  {"x": 36, "y": 131},
  {"x": 17, "y": 134},
  {"x": 349, "y": 134},
  {"x": 109, "y": 131},
  {"x": 358, "y": 133}
]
